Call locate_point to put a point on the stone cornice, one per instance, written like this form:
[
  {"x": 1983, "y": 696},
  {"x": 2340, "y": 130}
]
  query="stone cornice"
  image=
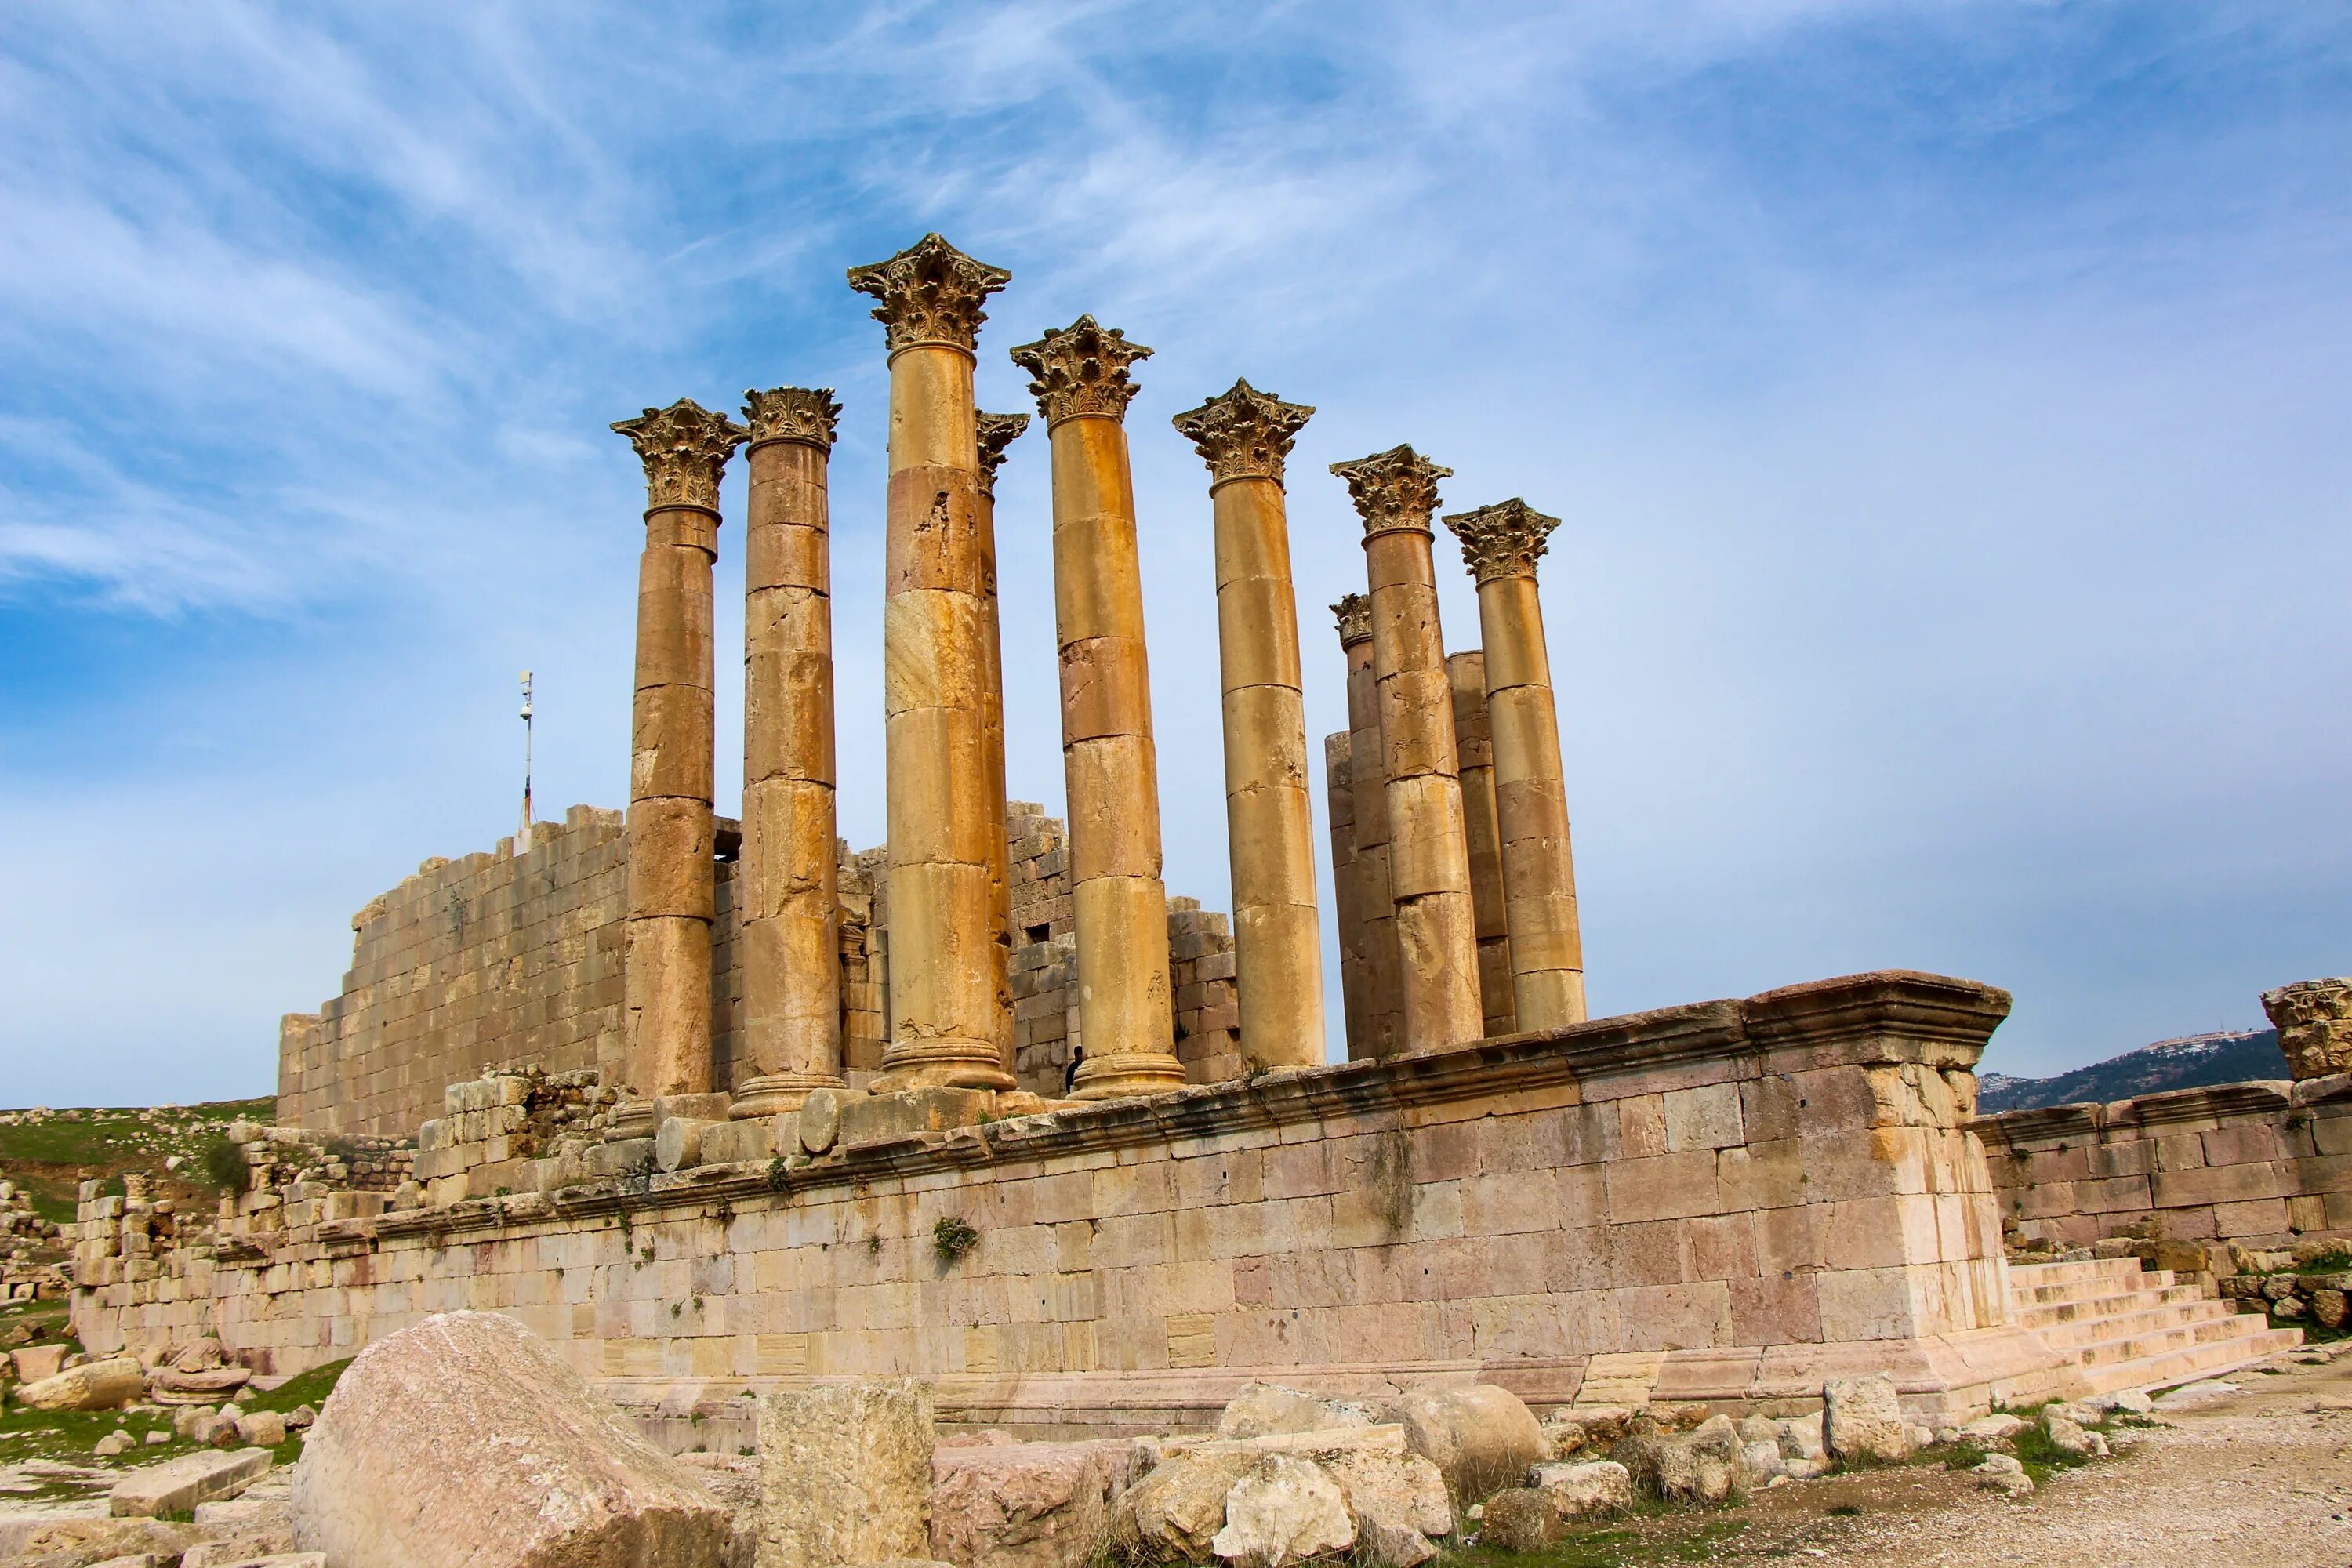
[
  {"x": 1354, "y": 613},
  {"x": 1244, "y": 433},
  {"x": 1505, "y": 540},
  {"x": 804, "y": 414},
  {"x": 1393, "y": 490},
  {"x": 930, "y": 293},
  {"x": 685, "y": 449},
  {"x": 1081, "y": 370},
  {"x": 997, "y": 432}
]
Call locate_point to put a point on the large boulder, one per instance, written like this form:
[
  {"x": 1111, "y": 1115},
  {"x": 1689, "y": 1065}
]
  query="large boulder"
[
  {"x": 1481, "y": 1437},
  {"x": 1696, "y": 1467},
  {"x": 93, "y": 1385},
  {"x": 466, "y": 1442},
  {"x": 1261, "y": 1409},
  {"x": 1173, "y": 1514},
  {"x": 845, "y": 1472},
  {"x": 1024, "y": 1505},
  {"x": 1284, "y": 1510},
  {"x": 1862, "y": 1419}
]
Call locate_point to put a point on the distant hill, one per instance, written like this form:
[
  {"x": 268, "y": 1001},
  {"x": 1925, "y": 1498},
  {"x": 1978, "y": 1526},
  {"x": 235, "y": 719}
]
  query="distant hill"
[{"x": 2230, "y": 1055}]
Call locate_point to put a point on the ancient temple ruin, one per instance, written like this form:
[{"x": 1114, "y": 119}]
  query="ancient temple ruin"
[{"x": 716, "y": 1107}]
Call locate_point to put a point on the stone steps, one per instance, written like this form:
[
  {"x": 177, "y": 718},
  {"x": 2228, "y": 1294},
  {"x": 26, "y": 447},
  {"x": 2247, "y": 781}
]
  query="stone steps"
[{"x": 2135, "y": 1329}]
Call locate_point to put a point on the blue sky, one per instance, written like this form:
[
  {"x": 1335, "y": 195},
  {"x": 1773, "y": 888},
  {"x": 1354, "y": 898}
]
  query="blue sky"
[{"x": 1946, "y": 403}]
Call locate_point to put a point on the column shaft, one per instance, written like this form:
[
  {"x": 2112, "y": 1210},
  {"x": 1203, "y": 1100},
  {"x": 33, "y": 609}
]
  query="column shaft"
[
  {"x": 787, "y": 885},
  {"x": 1474, "y": 748},
  {"x": 1269, "y": 819},
  {"x": 1125, "y": 1013},
  {"x": 996, "y": 432},
  {"x": 671, "y": 890},
  {"x": 947, "y": 987},
  {"x": 1502, "y": 543},
  {"x": 1376, "y": 929},
  {"x": 1339, "y": 802},
  {"x": 1429, "y": 856}
]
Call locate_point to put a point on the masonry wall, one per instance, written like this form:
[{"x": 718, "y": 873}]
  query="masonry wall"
[
  {"x": 2257, "y": 1164},
  {"x": 501, "y": 960},
  {"x": 1726, "y": 1201}
]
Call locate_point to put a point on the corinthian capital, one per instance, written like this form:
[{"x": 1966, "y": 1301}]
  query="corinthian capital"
[
  {"x": 791, "y": 414},
  {"x": 685, "y": 449},
  {"x": 1505, "y": 540},
  {"x": 930, "y": 293},
  {"x": 1392, "y": 489},
  {"x": 1244, "y": 433},
  {"x": 997, "y": 431},
  {"x": 1354, "y": 613},
  {"x": 1082, "y": 369}
]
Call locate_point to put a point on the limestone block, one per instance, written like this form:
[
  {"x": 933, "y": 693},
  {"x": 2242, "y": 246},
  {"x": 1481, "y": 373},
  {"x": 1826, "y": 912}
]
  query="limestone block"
[
  {"x": 59, "y": 1537},
  {"x": 1172, "y": 1513},
  {"x": 1863, "y": 1419},
  {"x": 1694, "y": 1467},
  {"x": 845, "y": 1475},
  {"x": 678, "y": 1142},
  {"x": 622, "y": 1157},
  {"x": 1024, "y": 1505},
  {"x": 1520, "y": 1520},
  {"x": 1282, "y": 1509},
  {"x": 1260, "y": 1408},
  {"x": 93, "y": 1385},
  {"x": 34, "y": 1363},
  {"x": 468, "y": 1441},
  {"x": 1479, "y": 1438},
  {"x": 868, "y": 1118},
  {"x": 1395, "y": 1491},
  {"x": 177, "y": 1486},
  {"x": 1596, "y": 1486}
]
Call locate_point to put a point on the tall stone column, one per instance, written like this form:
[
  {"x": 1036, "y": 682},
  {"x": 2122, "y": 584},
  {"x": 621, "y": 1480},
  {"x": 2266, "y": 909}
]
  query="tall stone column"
[
  {"x": 997, "y": 432},
  {"x": 1474, "y": 744},
  {"x": 1339, "y": 806},
  {"x": 787, "y": 883},
  {"x": 1374, "y": 942},
  {"x": 946, "y": 981},
  {"x": 1126, "y": 1016},
  {"x": 1501, "y": 546},
  {"x": 685, "y": 449},
  {"x": 1243, "y": 436},
  {"x": 1395, "y": 492}
]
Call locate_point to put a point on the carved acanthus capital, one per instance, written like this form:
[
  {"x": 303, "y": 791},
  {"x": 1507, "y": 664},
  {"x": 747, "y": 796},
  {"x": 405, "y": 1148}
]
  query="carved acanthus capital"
[
  {"x": 805, "y": 413},
  {"x": 997, "y": 431},
  {"x": 685, "y": 449},
  {"x": 1505, "y": 540},
  {"x": 1393, "y": 490},
  {"x": 930, "y": 293},
  {"x": 1080, "y": 370},
  {"x": 1244, "y": 433},
  {"x": 2315, "y": 1026},
  {"x": 1354, "y": 613}
]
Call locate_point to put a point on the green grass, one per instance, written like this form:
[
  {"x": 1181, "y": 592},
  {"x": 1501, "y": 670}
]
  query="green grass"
[
  {"x": 1609, "y": 1546},
  {"x": 50, "y": 1159},
  {"x": 67, "y": 1436}
]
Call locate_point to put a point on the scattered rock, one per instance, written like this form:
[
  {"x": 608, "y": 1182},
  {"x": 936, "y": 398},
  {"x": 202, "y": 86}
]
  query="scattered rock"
[
  {"x": 1172, "y": 1513},
  {"x": 35, "y": 1362},
  {"x": 2001, "y": 1473},
  {"x": 468, "y": 1441},
  {"x": 1862, "y": 1418},
  {"x": 2127, "y": 1400},
  {"x": 1563, "y": 1434},
  {"x": 1602, "y": 1423},
  {"x": 302, "y": 1415},
  {"x": 98, "y": 1540},
  {"x": 93, "y": 1385},
  {"x": 1480, "y": 1438},
  {"x": 2194, "y": 1393},
  {"x": 215, "y": 1431},
  {"x": 2329, "y": 1308},
  {"x": 2068, "y": 1438},
  {"x": 1688, "y": 1466},
  {"x": 1520, "y": 1520},
  {"x": 113, "y": 1443},
  {"x": 1804, "y": 1470},
  {"x": 177, "y": 1486},
  {"x": 1379, "y": 1545},
  {"x": 1402, "y": 1491},
  {"x": 2082, "y": 1413},
  {"x": 1997, "y": 1430},
  {"x": 1261, "y": 1409},
  {"x": 157, "y": 1438},
  {"x": 1758, "y": 1466},
  {"x": 261, "y": 1429},
  {"x": 1800, "y": 1437},
  {"x": 1284, "y": 1510},
  {"x": 845, "y": 1473},
  {"x": 1586, "y": 1491},
  {"x": 1023, "y": 1505}
]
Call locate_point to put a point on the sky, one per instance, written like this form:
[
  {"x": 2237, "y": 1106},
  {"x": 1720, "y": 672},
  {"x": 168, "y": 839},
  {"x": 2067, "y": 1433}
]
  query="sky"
[{"x": 1945, "y": 403}]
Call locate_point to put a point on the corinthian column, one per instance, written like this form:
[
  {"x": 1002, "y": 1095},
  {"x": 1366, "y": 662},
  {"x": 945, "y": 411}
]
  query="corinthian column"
[
  {"x": 786, "y": 885},
  {"x": 1126, "y": 1019},
  {"x": 1395, "y": 492},
  {"x": 1475, "y": 745},
  {"x": 1501, "y": 544},
  {"x": 1269, "y": 824},
  {"x": 1373, "y": 943},
  {"x": 685, "y": 447},
  {"x": 997, "y": 432},
  {"x": 946, "y": 981}
]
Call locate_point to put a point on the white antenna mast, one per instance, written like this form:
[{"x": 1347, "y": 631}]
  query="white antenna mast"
[{"x": 523, "y": 836}]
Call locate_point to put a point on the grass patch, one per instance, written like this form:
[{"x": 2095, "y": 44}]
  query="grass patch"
[
  {"x": 309, "y": 1388},
  {"x": 1612, "y": 1546},
  {"x": 51, "y": 1158}
]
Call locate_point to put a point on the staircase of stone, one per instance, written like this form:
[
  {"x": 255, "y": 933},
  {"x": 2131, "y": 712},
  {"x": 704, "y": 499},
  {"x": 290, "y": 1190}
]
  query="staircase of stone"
[{"x": 2133, "y": 1328}]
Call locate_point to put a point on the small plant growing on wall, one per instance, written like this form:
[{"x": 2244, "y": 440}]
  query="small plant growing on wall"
[
  {"x": 223, "y": 1163},
  {"x": 951, "y": 1238}
]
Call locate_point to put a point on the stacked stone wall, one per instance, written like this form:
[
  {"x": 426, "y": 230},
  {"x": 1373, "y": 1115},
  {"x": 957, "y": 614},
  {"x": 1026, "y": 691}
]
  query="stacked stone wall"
[
  {"x": 501, "y": 962},
  {"x": 2259, "y": 1164}
]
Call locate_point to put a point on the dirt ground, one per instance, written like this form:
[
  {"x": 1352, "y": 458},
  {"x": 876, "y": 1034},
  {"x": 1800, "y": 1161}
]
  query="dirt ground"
[{"x": 2263, "y": 1476}]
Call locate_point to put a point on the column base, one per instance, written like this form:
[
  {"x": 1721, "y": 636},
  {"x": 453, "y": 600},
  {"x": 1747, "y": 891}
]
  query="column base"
[
  {"x": 941, "y": 1064},
  {"x": 634, "y": 1119},
  {"x": 1126, "y": 1075},
  {"x": 776, "y": 1093}
]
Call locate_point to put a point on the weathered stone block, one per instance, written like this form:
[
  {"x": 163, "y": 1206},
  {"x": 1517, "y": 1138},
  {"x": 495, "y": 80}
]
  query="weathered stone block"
[{"x": 845, "y": 1474}]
